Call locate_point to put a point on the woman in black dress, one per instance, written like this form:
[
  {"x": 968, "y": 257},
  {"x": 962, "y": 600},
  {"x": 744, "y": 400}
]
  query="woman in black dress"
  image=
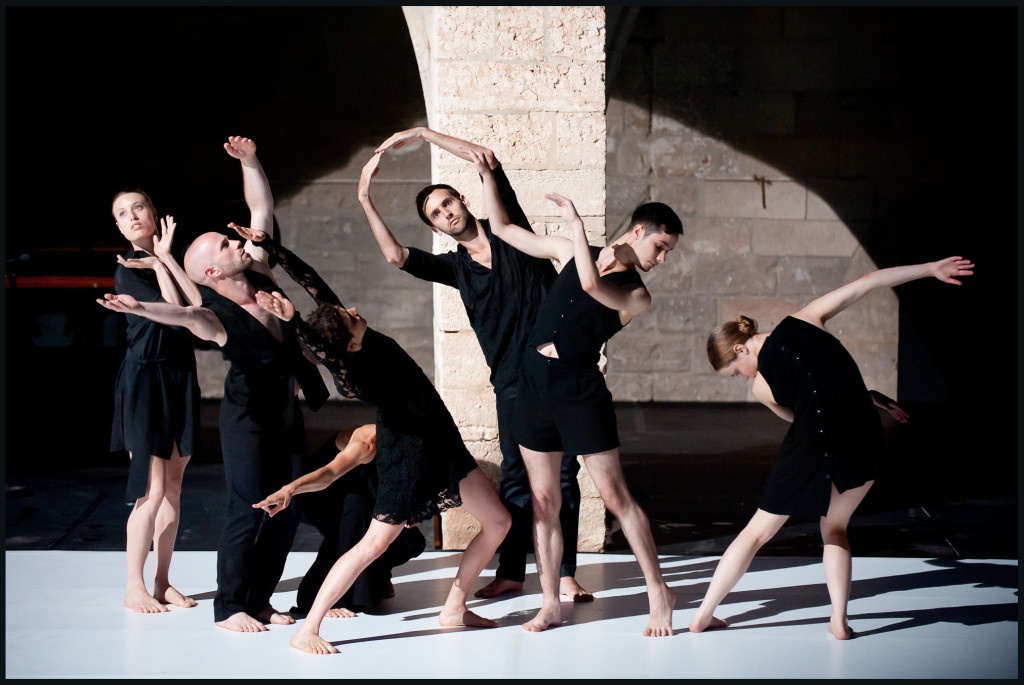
[
  {"x": 423, "y": 465},
  {"x": 829, "y": 457},
  {"x": 156, "y": 400}
]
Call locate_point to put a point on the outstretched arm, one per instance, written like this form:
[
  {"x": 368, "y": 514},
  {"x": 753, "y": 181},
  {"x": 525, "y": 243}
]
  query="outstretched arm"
[
  {"x": 361, "y": 448},
  {"x": 541, "y": 246},
  {"x": 200, "y": 321},
  {"x": 256, "y": 189},
  {"x": 394, "y": 252},
  {"x": 947, "y": 270}
]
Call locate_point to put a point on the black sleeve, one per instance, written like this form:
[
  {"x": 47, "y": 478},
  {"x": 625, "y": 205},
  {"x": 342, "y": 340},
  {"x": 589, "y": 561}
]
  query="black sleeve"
[
  {"x": 300, "y": 272},
  {"x": 431, "y": 267},
  {"x": 320, "y": 350}
]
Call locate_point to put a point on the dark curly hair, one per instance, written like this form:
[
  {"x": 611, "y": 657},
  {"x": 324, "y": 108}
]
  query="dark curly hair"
[{"x": 329, "y": 324}]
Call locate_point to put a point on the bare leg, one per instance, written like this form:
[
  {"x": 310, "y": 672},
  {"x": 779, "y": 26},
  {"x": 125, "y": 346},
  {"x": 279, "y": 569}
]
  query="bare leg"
[
  {"x": 734, "y": 563},
  {"x": 545, "y": 491},
  {"x": 836, "y": 558},
  {"x": 166, "y": 531},
  {"x": 606, "y": 471},
  {"x": 344, "y": 572},
  {"x": 480, "y": 500},
  {"x": 140, "y": 527}
]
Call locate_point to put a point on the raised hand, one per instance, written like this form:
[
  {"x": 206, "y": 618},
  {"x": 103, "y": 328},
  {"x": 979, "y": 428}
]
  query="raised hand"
[
  {"x": 148, "y": 262},
  {"x": 253, "y": 234},
  {"x": 240, "y": 148},
  {"x": 948, "y": 270},
  {"x": 275, "y": 303},
  {"x": 397, "y": 140},
  {"x": 565, "y": 206},
  {"x": 162, "y": 243}
]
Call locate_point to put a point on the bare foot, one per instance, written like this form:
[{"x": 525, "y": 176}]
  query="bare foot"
[
  {"x": 272, "y": 615},
  {"x": 311, "y": 643},
  {"x": 170, "y": 595},
  {"x": 662, "y": 601},
  {"x": 699, "y": 625},
  {"x": 543, "y": 620},
  {"x": 143, "y": 602},
  {"x": 340, "y": 612},
  {"x": 568, "y": 586},
  {"x": 465, "y": 619},
  {"x": 840, "y": 631},
  {"x": 241, "y": 623},
  {"x": 499, "y": 586}
]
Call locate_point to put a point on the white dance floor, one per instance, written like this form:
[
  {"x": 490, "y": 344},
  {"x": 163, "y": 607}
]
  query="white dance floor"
[{"x": 914, "y": 618}]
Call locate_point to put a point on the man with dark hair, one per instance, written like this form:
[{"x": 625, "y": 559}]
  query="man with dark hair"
[{"x": 501, "y": 289}]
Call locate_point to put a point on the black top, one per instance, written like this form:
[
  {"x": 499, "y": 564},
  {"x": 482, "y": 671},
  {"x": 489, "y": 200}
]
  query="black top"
[
  {"x": 501, "y": 301},
  {"x": 836, "y": 435},
  {"x": 258, "y": 382},
  {"x": 421, "y": 457},
  {"x": 148, "y": 340},
  {"x": 574, "y": 321}
]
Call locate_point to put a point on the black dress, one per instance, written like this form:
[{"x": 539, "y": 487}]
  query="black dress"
[
  {"x": 156, "y": 394},
  {"x": 836, "y": 435},
  {"x": 421, "y": 457}
]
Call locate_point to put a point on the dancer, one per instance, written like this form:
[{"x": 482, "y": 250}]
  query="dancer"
[
  {"x": 829, "y": 458},
  {"x": 502, "y": 289},
  {"x": 564, "y": 404},
  {"x": 423, "y": 464},
  {"x": 262, "y": 432},
  {"x": 338, "y": 495},
  {"x": 156, "y": 401}
]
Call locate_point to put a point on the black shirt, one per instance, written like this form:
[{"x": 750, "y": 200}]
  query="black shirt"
[{"x": 501, "y": 301}]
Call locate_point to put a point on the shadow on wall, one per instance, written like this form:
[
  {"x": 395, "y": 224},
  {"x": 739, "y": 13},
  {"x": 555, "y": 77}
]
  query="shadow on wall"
[{"x": 917, "y": 107}]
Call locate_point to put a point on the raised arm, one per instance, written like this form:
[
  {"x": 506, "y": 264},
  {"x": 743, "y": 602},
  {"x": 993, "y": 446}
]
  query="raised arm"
[
  {"x": 256, "y": 189},
  {"x": 360, "y": 448},
  {"x": 629, "y": 301},
  {"x": 183, "y": 284},
  {"x": 200, "y": 321},
  {"x": 456, "y": 146},
  {"x": 541, "y": 246},
  {"x": 394, "y": 252},
  {"x": 947, "y": 270}
]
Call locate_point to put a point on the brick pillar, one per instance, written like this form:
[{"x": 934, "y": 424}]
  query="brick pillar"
[{"x": 527, "y": 82}]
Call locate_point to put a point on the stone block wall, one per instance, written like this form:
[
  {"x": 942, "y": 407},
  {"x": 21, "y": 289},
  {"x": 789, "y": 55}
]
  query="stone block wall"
[{"x": 527, "y": 82}]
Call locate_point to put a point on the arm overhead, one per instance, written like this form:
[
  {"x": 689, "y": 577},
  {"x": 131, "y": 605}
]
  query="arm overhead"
[
  {"x": 258, "y": 197},
  {"x": 541, "y": 246},
  {"x": 947, "y": 270}
]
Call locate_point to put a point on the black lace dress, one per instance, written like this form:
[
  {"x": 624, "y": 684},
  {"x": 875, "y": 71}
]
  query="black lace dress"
[{"x": 421, "y": 456}]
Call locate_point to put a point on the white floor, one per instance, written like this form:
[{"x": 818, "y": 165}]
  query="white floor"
[{"x": 914, "y": 618}]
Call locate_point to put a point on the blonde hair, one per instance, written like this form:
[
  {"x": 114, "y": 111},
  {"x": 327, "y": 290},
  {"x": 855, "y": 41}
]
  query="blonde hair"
[{"x": 726, "y": 336}]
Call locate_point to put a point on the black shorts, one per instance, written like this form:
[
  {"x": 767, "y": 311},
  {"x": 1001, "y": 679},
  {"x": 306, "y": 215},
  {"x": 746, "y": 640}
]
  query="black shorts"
[{"x": 563, "y": 408}]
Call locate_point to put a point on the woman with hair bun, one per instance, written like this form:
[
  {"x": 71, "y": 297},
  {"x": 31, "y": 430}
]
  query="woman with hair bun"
[{"x": 828, "y": 460}]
